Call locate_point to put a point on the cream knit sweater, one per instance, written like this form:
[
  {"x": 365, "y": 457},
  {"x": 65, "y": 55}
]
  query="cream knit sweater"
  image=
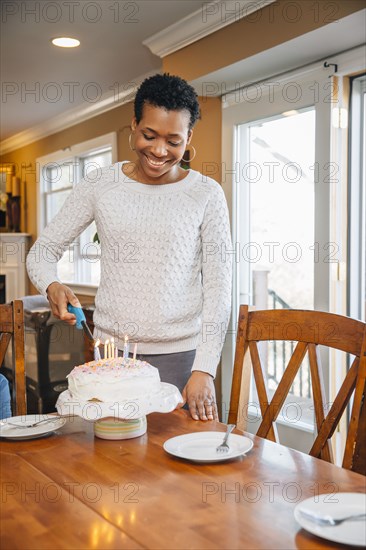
[{"x": 166, "y": 266}]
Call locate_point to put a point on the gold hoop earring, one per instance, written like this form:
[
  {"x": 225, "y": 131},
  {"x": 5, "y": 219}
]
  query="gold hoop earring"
[
  {"x": 129, "y": 142},
  {"x": 194, "y": 154}
]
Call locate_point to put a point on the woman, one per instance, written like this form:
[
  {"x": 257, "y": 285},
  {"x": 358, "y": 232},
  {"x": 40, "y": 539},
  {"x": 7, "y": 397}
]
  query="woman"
[{"x": 164, "y": 233}]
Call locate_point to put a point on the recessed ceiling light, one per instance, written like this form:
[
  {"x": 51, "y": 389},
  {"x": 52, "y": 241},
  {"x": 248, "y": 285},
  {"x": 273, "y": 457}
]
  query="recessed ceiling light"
[
  {"x": 65, "y": 42},
  {"x": 290, "y": 113}
]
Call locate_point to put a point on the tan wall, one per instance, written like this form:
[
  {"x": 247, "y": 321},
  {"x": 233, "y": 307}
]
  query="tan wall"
[
  {"x": 206, "y": 139},
  {"x": 273, "y": 25}
]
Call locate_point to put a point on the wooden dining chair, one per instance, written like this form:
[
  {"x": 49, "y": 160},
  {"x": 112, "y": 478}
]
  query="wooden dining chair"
[
  {"x": 307, "y": 329},
  {"x": 12, "y": 330}
]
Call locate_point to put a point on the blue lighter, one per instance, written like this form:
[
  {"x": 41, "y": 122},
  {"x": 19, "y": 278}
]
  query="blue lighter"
[{"x": 80, "y": 320}]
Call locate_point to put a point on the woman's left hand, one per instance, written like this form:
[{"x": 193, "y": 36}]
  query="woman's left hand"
[{"x": 200, "y": 395}]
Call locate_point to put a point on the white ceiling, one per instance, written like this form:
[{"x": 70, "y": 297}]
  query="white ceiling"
[{"x": 111, "y": 51}]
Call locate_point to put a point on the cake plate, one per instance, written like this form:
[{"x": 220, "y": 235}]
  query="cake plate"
[{"x": 124, "y": 419}]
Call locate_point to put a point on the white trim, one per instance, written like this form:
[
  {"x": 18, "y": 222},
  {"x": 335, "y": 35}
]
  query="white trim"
[
  {"x": 308, "y": 427},
  {"x": 12, "y": 264},
  {"x": 349, "y": 62},
  {"x": 81, "y": 148},
  {"x": 305, "y": 433},
  {"x": 59, "y": 156},
  {"x": 211, "y": 17},
  {"x": 357, "y": 203},
  {"x": 83, "y": 289},
  {"x": 14, "y": 236}
]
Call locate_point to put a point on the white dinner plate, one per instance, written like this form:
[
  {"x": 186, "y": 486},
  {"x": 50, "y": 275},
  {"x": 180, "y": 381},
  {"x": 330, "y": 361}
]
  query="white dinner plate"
[
  {"x": 11, "y": 432},
  {"x": 201, "y": 446},
  {"x": 336, "y": 505}
]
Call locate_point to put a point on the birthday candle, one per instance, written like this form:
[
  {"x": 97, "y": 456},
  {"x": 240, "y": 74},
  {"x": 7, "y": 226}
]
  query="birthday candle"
[
  {"x": 112, "y": 347},
  {"x": 134, "y": 351},
  {"x": 96, "y": 351},
  {"x": 106, "y": 343},
  {"x": 126, "y": 348}
]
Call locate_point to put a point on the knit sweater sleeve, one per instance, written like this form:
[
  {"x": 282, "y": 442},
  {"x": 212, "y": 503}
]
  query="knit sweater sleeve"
[
  {"x": 216, "y": 282},
  {"x": 74, "y": 216}
]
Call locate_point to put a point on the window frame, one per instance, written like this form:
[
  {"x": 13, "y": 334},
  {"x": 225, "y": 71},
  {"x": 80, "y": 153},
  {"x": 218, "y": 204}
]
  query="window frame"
[
  {"x": 76, "y": 155},
  {"x": 331, "y": 139},
  {"x": 356, "y": 264},
  {"x": 236, "y": 115}
]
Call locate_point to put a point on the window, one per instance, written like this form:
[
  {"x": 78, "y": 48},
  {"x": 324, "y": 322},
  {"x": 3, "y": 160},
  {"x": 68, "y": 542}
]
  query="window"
[
  {"x": 278, "y": 156},
  {"x": 276, "y": 150},
  {"x": 59, "y": 173},
  {"x": 337, "y": 218}
]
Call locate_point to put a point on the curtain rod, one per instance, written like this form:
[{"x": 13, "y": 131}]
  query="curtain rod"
[{"x": 309, "y": 66}]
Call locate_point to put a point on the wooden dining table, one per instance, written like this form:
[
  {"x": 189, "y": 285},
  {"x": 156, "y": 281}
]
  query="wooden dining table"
[{"x": 73, "y": 490}]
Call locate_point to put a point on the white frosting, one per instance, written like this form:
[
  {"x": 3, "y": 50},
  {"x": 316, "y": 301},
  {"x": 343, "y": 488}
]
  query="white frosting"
[{"x": 113, "y": 380}]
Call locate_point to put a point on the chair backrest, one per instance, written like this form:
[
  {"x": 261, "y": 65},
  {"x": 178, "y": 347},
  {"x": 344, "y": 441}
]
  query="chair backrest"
[
  {"x": 309, "y": 329},
  {"x": 12, "y": 329}
]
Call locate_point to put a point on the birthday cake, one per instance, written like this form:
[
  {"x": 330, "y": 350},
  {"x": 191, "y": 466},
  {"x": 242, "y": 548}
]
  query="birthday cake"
[{"x": 113, "y": 380}]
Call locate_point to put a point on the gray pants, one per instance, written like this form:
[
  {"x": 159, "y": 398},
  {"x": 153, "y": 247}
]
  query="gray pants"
[{"x": 174, "y": 368}]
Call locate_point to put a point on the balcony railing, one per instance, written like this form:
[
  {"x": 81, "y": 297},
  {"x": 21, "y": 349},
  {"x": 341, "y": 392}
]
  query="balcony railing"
[{"x": 279, "y": 354}]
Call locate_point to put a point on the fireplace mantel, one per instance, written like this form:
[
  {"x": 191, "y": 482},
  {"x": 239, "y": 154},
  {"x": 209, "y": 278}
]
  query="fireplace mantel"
[{"x": 13, "y": 252}]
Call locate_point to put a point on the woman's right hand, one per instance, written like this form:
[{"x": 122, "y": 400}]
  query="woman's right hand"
[{"x": 59, "y": 296}]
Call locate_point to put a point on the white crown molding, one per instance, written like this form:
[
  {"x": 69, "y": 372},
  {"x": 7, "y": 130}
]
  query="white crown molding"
[
  {"x": 210, "y": 18},
  {"x": 109, "y": 100}
]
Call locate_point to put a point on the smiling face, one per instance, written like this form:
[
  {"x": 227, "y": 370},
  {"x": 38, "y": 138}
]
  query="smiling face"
[{"x": 160, "y": 139}]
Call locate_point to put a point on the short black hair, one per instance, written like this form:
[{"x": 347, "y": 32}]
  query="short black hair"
[{"x": 170, "y": 92}]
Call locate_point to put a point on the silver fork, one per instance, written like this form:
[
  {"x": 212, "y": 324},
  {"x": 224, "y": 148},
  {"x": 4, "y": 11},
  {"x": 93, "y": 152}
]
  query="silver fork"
[
  {"x": 224, "y": 447},
  {"x": 329, "y": 520},
  {"x": 22, "y": 426}
]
